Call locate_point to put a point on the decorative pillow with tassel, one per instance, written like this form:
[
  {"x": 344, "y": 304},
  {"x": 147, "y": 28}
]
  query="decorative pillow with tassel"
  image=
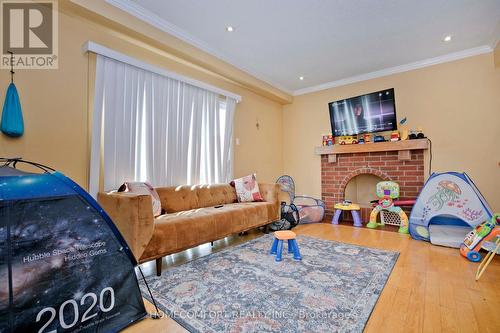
[{"x": 247, "y": 189}]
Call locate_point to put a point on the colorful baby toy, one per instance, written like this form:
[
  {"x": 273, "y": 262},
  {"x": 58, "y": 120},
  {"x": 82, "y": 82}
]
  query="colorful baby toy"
[
  {"x": 486, "y": 231},
  {"x": 347, "y": 205},
  {"x": 388, "y": 191}
]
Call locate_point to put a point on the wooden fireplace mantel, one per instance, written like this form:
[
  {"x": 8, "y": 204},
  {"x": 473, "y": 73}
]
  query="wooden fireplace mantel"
[{"x": 402, "y": 147}]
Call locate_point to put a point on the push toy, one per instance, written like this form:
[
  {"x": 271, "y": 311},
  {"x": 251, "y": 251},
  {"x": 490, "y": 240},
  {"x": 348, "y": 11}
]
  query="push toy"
[
  {"x": 486, "y": 231},
  {"x": 492, "y": 248}
]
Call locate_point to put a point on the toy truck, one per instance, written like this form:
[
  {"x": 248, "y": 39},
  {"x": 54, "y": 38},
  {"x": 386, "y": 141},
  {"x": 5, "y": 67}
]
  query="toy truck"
[{"x": 347, "y": 139}]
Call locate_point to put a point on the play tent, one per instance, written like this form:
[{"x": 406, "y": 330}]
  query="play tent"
[
  {"x": 447, "y": 208},
  {"x": 63, "y": 265}
]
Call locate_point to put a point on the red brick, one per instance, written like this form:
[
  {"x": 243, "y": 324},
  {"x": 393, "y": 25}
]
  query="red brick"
[
  {"x": 378, "y": 153},
  {"x": 393, "y": 162},
  {"x": 413, "y": 173},
  {"x": 357, "y": 158},
  {"x": 412, "y": 162},
  {"x": 413, "y": 183},
  {"x": 397, "y": 173},
  {"x": 408, "y": 168},
  {"x": 372, "y": 158},
  {"x": 377, "y": 164}
]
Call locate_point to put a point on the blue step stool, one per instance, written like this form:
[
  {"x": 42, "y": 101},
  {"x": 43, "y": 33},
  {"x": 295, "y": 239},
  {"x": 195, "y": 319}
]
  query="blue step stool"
[{"x": 293, "y": 247}]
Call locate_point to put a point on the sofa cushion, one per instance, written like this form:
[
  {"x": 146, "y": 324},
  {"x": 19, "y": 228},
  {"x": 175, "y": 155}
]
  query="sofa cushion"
[
  {"x": 185, "y": 229},
  {"x": 177, "y": 198},
  {"x": 217, "y": 194}
]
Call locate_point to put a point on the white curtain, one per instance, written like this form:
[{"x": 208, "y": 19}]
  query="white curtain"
[{"x": 148, "y": 127}]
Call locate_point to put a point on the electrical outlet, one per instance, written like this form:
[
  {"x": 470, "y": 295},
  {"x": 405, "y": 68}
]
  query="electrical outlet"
[{"x": 237, "y": 141}]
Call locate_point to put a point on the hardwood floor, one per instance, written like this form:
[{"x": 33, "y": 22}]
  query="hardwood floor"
[{"x": 431, "y": 289}]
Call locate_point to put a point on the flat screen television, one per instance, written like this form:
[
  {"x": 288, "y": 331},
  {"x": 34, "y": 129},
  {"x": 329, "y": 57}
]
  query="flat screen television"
[{"x": 374, "y": 112}]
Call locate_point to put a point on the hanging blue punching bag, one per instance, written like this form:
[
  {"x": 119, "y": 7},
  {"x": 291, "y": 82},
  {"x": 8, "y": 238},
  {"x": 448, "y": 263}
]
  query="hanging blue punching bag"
[{"x": 12, "y": 117}]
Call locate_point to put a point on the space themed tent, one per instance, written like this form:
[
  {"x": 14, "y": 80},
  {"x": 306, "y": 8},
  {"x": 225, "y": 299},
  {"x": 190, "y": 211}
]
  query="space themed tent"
[
  {"x": 63, "y": 265},
  {"x": 447, "y": 208}
]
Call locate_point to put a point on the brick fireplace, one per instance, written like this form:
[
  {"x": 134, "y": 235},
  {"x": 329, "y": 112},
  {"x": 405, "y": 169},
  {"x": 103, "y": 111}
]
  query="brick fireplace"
[{"x": 404, "y": 166}]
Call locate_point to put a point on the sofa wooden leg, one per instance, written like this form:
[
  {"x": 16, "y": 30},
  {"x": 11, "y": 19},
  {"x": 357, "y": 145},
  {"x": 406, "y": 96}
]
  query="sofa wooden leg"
[
  {"x": 158, "y": 266},
  {"x": 211, "y": 243}
]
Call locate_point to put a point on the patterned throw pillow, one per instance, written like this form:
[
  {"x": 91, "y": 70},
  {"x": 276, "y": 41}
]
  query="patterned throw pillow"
[
  {"x": 144, "y": 188},
  {"x": 247, "y": 189}
]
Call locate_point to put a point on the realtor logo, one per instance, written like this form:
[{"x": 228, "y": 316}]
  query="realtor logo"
[{"x": 30, "y": 31}]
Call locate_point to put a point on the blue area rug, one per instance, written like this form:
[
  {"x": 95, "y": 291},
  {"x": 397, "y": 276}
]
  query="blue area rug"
[{"x": 242, "y": 289}]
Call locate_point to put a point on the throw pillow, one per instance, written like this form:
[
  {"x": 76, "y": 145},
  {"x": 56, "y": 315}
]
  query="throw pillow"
[
  {"x": 144, "y": 188},
  {"x": 247, "y": 189}
]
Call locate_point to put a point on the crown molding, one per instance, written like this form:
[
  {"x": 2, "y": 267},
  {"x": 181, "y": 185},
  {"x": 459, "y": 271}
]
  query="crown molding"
[
  {"x": 151, "y": 18},
  {"x": 397, "y": 69}
]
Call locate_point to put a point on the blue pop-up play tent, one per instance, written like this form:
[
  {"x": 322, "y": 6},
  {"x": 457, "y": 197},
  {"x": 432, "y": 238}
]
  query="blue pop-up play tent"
[
  {"x": 447, "y": 208},
  {"x": 64, "y": 267}
]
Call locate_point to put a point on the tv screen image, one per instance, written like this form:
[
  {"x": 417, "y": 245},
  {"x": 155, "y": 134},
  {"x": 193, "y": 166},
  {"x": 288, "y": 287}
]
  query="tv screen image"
[{"x": 374, "y": 112}]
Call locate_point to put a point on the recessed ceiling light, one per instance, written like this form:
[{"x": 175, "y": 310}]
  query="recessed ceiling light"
[
  {"x": 301, "y": 78},
  {"x": 447, "y": 38},
  {"x": 229, "y": 28}
]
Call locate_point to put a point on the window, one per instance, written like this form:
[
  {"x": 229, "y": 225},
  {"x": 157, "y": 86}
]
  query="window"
[{"x": 148, "y": 127}]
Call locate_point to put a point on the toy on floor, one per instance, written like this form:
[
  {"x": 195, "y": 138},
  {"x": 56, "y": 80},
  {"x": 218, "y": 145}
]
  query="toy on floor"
[
  {"x": 447, "y": 209},
  {"x": 388, "y": 191},
  {"x": 486, "y": 231},
  {"x": 311, "y": 210},
  {"x": 60, "y": 249},
  {"x": 492, "y": 248},
  {"x": 293, "y": 247},
  {"x": 392, "y": 218},
  {"x": 347, "y": 205}
]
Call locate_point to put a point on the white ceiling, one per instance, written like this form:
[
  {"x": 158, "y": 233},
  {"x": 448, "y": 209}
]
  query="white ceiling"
[{"x": 329, "y": 42}]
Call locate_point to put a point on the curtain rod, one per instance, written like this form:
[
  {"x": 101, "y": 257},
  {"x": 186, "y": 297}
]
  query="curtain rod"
[{"x": 94, "y": 47}]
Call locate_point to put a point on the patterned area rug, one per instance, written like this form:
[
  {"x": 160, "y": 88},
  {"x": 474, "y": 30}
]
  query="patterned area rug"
[{"x": 242, "y": 289}]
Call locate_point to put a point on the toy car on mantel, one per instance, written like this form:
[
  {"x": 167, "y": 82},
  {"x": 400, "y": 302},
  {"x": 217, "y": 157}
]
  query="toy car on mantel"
[{"x": 346, "y": 140}]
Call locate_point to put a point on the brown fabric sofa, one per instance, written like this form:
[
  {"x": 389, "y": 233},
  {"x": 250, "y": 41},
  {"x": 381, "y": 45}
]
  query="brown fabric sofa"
[{"x": 191, "y": 218}]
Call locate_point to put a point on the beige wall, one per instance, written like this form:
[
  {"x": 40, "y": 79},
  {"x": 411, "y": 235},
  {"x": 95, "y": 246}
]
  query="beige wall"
[
  {"x": 55, "y": 106},
  {"x": 457, "y": 104},
  {"x": 448, "y": 100}
]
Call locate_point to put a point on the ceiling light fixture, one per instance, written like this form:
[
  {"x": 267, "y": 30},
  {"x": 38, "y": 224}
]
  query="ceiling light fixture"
[
  {"x": 447, "y": 38},
  {"x": 229, "y": 28},
  {"x": 301, "y": 78}
]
